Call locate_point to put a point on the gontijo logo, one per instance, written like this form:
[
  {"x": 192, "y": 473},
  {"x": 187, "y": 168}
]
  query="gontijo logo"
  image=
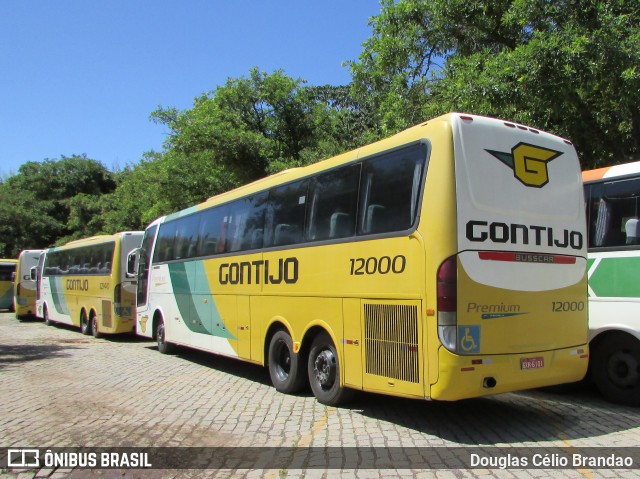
[{"x": 528, "y": 162}]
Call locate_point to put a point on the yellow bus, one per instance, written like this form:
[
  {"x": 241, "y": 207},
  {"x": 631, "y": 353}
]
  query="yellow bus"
[
  {"x": 7, "y": 274},
  {"x": 24, "y": 288},
  {"x": 445, "y": 262},
  {"x": 84, "y": 284}
]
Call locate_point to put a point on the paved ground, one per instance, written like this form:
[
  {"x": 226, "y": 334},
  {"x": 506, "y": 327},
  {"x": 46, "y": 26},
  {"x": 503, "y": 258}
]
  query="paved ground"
[{"x": 62, "y": 389}]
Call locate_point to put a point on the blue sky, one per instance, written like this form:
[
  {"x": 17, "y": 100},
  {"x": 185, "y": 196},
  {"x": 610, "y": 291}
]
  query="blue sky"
[{"x": 80, "y": 76}]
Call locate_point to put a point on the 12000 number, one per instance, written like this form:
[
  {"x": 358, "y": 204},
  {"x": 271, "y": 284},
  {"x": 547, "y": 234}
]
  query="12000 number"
[{"x": 382, "y": 265}]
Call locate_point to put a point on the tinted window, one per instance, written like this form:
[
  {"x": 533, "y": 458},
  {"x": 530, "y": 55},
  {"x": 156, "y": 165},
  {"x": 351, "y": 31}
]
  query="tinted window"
[
  {"x": 245, "y": 229},
  {"x": 6, "y": 271},
  {"x": 211, "y": 234},
  {"x": 286, "y": 214},
  {"x": 95, "y": 259},
  {"x": 614, "y": 213},
  {"x": 186, "y": 240},
  {"x": 389, "y": 189},
  {"x": 164, "y": 245},
  {"x": 334, "y": 204}
]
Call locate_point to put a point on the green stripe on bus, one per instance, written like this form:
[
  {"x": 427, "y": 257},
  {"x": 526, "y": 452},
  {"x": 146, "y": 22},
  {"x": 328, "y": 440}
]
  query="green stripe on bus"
[{"x": 616, "y": 278}]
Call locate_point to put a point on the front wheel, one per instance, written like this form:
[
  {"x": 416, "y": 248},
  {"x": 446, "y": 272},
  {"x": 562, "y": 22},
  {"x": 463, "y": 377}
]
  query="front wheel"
[
  {"x": 324, "y": 372},
  {"x": 45, "y": 315},
  {"x": 285, "y": 370},
  {"x": 163, "y": 346},
  {"x": 615, "y": 369}
]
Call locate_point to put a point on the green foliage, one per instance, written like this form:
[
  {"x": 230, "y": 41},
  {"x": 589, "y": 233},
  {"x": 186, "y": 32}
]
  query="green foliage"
[
  {"x": 244, "y": 130},
  {"x": 51, "y": 202},
  {"x": 572, "y": 68}
]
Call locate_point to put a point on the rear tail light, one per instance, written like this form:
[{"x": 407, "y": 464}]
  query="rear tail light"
[
  {"x": 447, "y": 289},
  {"x": 117, "y": 294}
]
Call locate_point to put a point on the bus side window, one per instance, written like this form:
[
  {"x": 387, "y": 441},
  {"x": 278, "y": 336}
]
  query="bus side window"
[
  {"x": 334, "y": 204},
  {"x": 286, "y": 214},
  {"x": 614, "y": 209},
  {"x": 210, "y": 232},
  {"x": 247, "y": 219},
  {"x": 187, "y": 236},
  {"x": 390, "y": 190},
  {"x": 164, "y": 246}
]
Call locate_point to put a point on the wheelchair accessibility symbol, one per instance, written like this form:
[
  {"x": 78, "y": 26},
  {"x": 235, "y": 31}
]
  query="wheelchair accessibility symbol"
[{"x": 469, "y": 338}]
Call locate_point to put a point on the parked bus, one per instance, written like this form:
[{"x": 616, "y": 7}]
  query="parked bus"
[
  {"x": 24, "y": 288},
  {"x": 7, "y": 274},
  {"x": 445, "y": 262},
  {"x": 613, "y": 213},
  {"x": 84, "y": 284}
]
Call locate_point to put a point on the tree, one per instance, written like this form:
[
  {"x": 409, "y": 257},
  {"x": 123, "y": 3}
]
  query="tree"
[
  {"x": 244, "y": 130},
  {"x": 572, "y": 68},
  {"x": 50, "y": 202}
]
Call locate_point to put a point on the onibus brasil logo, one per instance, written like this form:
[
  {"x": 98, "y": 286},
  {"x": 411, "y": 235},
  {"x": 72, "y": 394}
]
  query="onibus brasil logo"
[{"x": 528, "y": 162}]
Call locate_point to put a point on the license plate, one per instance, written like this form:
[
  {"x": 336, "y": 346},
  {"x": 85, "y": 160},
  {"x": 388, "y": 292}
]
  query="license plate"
[{"x": 532, "y": 363}]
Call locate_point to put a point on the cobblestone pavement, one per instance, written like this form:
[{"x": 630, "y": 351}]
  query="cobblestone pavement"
[{"x": 62, "y": 389}]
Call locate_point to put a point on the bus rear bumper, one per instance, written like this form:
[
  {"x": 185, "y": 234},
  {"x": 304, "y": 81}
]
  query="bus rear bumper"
[{"x": 462, "y": 377}]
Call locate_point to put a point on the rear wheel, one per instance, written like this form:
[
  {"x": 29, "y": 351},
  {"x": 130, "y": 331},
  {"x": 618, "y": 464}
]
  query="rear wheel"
[
  {"x": 615, "y": 368},
  {"x": 323, "y": 368},
  {"x": 163, "y": 346},
  {"x": 287, "y": 374},
  {"x": 85, "y": 327},
  {"x": 94, "y": 327}
]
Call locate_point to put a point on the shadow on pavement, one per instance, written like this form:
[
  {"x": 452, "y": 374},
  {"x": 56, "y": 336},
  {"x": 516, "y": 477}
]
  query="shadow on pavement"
[
  {"x": 251, "y": 372},
  {"x": 15, "y": 354},
  {"x": 531, "y": 416}
]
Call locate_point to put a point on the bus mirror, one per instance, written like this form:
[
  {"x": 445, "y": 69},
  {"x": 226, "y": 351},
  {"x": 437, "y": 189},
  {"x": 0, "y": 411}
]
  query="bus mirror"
[
  {"x": 132, "y": 263},
  {"x": 33, "y": 273}
]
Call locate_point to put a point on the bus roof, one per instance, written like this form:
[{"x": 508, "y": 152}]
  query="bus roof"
[
  {"x": 95, "y": 240},
  {"x": 399, "y": 139},
  {"x": 611, "y": 171}
]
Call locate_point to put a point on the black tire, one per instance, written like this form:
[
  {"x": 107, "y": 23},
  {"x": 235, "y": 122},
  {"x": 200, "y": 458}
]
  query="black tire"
[
  {"x": 285, "y": 368},
  {"x": 45, "y": 315},
  {"x": 85, "y": 326},
  {"x": 615, "y": 368},
  {"x": 94, "y": 328},
  {"x": 323, "y": 369},
  {"x": 163, "y": 346}
]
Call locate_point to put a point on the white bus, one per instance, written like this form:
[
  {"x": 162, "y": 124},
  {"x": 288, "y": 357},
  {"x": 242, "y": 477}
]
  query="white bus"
[
  {"x": 445, "y": 262},
  {"x": 613, "y": 213}
]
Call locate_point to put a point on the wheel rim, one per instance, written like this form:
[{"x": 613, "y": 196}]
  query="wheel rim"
[
  {"x": 282, "y": 359},
  {"x": 623, "y": 369},
  {"x": 324, "y": 369}
]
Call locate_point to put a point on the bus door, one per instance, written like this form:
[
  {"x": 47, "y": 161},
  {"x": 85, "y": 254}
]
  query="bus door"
[{"x": 144, "y": 263}]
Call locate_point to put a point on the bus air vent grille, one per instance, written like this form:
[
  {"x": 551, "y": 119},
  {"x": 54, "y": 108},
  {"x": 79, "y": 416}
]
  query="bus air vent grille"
[{"x": 391, "y": 341}]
